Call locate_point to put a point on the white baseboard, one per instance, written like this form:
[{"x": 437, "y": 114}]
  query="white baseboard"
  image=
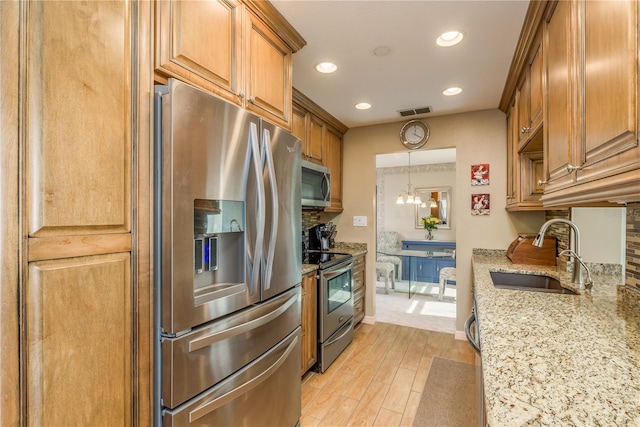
[
  {"x": 460, "y": 335},
  {"x": 370, "y": 320}
]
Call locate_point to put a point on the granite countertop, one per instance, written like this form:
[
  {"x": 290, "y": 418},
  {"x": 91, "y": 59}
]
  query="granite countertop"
[{"x": 557, "y": 359}]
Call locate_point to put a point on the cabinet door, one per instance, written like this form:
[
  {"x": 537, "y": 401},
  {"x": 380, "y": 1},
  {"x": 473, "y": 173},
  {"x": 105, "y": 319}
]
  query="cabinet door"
[
  {"x": 78, "y": 341},
  {"x": 315, "y": 132},
  {"x": 512, "y": 153},
  {"x": 268, "y": 82},
  {"x": 522, "y": 105},
  {"x": 558, "y": 119},
  {"x": 298, "y": 128},
  {"x": 610, "y": 88},
  {"x": 201, "y": 42},
  {"x": 78, "y": 118},
  {"x": 333, "y": 160},
  {"x": 309, "y": 322},
  {"x": 535, "y": 85},
  {"x": 426, "y": 270}
]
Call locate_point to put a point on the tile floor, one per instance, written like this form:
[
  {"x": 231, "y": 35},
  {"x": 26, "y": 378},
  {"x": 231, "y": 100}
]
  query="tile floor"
[{"x": 379, "y": 379}]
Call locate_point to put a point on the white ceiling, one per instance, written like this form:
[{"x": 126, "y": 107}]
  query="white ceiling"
[{"x": 416, "y": 70}]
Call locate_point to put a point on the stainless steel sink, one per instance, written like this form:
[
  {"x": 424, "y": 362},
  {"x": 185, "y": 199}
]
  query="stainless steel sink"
[{"x": 528, "y": 282}]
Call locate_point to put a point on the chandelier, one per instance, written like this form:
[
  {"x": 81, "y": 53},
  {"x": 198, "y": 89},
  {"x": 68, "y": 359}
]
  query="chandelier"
[{"x": 411, "y": 198}]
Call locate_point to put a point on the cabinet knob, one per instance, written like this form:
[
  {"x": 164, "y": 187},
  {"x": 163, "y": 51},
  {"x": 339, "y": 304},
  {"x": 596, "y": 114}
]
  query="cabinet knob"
[
  {"x": 524, "y": 130},
  {"x": 571, "y": 168},
  {"x": 252, "y": 100},
  {"x": 541, "y": 182},
  {"x": 240, "y": 95}
]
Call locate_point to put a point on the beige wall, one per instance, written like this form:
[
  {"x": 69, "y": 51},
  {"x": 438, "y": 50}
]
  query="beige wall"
[{"x": 479, "y": 137}]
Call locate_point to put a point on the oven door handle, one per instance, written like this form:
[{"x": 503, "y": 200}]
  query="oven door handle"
[
  {"x": 328, "y": 343},
  {"x": 331, "y": 273}
]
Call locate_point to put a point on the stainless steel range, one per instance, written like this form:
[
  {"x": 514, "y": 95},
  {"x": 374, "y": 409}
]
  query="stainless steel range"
[{"x": 335, "y": 304}]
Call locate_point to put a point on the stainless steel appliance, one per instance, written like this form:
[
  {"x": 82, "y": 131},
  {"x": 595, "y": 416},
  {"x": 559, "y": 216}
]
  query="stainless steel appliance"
[
  {"x": 227, "y": 264},
  {"x": 472, "y": 331},
  {"x": 316, "y": 185},
  {"x": 335, "y": 304}
]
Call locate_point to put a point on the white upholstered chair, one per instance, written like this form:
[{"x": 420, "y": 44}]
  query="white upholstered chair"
[{"x": 390, "y": 240}]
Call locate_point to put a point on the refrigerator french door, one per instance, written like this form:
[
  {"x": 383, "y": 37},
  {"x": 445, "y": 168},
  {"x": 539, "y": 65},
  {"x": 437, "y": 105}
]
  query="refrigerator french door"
[{"x": 227, "y": 251}]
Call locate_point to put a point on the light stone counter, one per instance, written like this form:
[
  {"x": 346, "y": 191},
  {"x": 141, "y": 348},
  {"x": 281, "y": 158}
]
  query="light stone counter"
[{"x": 556, "y": 359}]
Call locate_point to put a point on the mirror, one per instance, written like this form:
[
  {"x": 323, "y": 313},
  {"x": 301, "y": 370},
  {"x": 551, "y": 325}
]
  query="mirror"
[{"x": 436, "y": 202}]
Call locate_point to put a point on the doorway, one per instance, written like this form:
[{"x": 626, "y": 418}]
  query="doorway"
[{"x": 400, "y": 175}]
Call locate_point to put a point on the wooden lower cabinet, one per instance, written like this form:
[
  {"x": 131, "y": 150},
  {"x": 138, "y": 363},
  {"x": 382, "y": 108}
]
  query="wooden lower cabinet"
[
  {"x": 78, "y": 341},
  {"x": 359, "y": 288},
  {"x": 309, "y": 321}
]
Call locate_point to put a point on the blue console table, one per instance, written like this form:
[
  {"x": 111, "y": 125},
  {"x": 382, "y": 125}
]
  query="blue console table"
[{"x": 426, "y": 268}]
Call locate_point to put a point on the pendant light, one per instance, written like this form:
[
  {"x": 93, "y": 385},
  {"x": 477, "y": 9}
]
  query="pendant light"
[{"x": 411, "y": 198}]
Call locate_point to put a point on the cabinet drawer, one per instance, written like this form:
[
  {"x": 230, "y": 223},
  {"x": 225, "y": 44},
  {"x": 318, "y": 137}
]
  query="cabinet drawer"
[
  {"x": 358, "y": 280},
  {"x": 358, "y": 310},
  {"x": 358, "y": 263}
]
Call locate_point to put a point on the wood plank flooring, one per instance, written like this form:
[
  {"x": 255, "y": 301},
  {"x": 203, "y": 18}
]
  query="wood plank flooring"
[{"x": 379, "y": 379}]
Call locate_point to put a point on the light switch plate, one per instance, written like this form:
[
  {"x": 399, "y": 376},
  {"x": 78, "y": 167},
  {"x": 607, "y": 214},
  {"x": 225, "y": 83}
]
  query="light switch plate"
[{"x": 359, "y": 221}]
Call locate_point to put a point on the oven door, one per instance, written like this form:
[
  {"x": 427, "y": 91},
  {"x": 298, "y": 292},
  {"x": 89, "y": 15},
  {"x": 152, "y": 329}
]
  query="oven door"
[{"x": 336, "y": 298}]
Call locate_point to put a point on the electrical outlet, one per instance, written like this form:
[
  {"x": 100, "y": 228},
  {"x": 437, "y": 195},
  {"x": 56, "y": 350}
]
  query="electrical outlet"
[{"x": 359, "y": 221}]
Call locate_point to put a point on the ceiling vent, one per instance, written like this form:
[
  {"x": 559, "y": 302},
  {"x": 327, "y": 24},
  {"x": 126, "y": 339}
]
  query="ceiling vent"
[{"x": 415, "y": 111}]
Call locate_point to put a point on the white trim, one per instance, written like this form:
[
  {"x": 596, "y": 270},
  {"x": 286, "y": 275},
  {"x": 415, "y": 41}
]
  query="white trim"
[{"x": 369, "y": 320}]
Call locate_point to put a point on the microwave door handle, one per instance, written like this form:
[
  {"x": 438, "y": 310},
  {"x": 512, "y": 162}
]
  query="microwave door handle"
[
  {"x": 268, "y": 155},
  {"x": 254, "y": 270},
  {"x": 326, "y": 186}
]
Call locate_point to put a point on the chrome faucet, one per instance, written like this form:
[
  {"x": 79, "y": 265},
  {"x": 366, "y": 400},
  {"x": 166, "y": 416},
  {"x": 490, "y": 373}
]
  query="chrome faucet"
[{"x": 578, "y": 264}]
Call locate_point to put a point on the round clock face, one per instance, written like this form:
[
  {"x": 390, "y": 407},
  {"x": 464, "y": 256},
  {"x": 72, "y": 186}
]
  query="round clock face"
[{"x": 414, "y": 134}]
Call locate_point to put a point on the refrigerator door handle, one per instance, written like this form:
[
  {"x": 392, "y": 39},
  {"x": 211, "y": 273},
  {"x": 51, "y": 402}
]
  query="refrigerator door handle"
[
  {"x": 259, "y": 215},
  {"x": 271, "y": 171},
  {"x": 211, "y": 406},
  {"x": 199, "y": 343}
]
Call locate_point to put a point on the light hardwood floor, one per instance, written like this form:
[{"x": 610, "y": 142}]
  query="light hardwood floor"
[{"x": 379, "y": 379}]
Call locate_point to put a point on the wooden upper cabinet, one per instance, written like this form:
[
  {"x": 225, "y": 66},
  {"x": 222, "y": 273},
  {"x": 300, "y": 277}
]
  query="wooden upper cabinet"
[
  {"x": 315, "y": 136},
  {"x": 610, "y": 88},
  {"x": 558, "y": 101},
  {"x": 592, "y": 152},
  {"x": 333, "y": 160},
  {"x": 268, "y": 84},
  {"x": 238, "y": 50},
  {"x": 512, "y": 151},
  {"x": 201, "y": 42},
  {"x": 529, "y": 94},
  {"x": 78, "y": 118}
]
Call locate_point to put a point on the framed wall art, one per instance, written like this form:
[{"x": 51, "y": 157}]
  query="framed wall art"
[
  {"x": 480, "y": 204},
  {"x": 480, "y": 174}
]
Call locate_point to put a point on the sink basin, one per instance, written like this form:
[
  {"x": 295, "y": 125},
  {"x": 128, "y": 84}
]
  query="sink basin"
[{"x": 528, "y": 282}]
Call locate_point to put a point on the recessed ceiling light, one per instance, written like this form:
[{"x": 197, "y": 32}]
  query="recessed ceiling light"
[
  {"x": 326, "y": 67},
  {"x": 362, "y": 105},
  {"x": 452, "y": 91},
  {"x": 450, "y": 38}
]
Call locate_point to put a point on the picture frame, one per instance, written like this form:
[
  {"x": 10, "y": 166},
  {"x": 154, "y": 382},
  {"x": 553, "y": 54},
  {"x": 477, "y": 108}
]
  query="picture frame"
[
  {"x": 480, "y": 174},
  {"x": 480, "y": 204}
]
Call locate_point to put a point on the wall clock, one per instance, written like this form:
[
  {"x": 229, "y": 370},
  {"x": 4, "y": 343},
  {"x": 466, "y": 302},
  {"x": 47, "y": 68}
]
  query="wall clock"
[{"x": 414, "y": 134}]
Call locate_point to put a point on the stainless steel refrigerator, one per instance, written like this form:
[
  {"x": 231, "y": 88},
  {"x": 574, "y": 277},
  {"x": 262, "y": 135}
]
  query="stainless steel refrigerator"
[{"x": 227, "y": 264}]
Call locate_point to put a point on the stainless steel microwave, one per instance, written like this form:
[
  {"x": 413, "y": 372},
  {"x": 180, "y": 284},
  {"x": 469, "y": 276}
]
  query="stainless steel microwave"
[{"x": 316, "y": 185}]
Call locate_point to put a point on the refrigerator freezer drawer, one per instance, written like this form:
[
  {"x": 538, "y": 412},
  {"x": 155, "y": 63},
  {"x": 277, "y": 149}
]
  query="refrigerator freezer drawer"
[
  {"x": 265, "y": 393},
  {"x": 196, "y": 361}
]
